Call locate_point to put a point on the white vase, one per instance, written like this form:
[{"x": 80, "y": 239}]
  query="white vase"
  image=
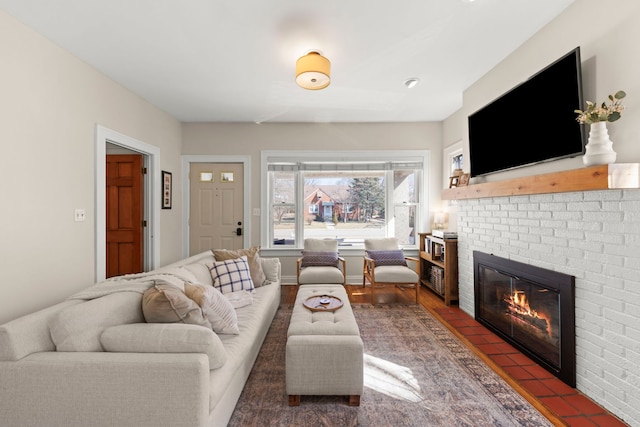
[{"x": 599, "y": 148}]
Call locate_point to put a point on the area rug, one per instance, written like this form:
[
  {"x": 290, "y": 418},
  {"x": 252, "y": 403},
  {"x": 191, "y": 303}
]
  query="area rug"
[{"x": 417, "y": 373}]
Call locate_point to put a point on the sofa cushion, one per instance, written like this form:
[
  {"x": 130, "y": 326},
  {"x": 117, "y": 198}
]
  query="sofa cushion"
[
  {"x": 381, "y": 244},
  {"x": 78, "y": 328},
  {"x": 231, "y": 275},
  {"x": 165, "y": 338},
  {"x": 319, "y": 258},
  {"x": 394, "y": 257},
  {"x": 215, "y": 306},
  {"x": 165, "y": 303},
  {"x": 253, "y": 259},
  {"x": 321, "y": 245},
  {"x": 320, "y": 274},
  {"x": 240, "y": 299},
  {"x": 200, "y": 273}
]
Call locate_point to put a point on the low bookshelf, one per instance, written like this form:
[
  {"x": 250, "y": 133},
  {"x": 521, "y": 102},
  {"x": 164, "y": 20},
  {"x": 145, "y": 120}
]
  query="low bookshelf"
[{"x": 439, "y": 266}]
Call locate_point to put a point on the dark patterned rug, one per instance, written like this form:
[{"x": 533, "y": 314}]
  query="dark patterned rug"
[{"x": 417, "y": 373}]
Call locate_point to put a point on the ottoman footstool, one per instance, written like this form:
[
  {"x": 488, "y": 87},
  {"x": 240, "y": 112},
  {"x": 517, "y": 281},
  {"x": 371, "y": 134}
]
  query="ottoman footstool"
[{"x": 324, "y": 354}]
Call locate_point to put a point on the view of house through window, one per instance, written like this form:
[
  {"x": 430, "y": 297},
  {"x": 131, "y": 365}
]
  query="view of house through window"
[{"x": 347, "y": 201}]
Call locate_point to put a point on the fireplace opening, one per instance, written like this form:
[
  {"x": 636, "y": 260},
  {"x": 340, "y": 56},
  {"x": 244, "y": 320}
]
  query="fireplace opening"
[{"x": 531, "y": 308}]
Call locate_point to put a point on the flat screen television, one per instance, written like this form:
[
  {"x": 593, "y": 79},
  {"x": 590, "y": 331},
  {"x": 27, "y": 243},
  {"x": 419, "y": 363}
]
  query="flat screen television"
[{"x": 532, "y": 123}]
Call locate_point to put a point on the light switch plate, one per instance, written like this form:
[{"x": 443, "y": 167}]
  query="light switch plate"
[{"x": 80, "y": 215}]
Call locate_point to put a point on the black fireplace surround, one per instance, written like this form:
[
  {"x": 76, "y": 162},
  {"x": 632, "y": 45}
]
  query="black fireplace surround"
[{"x": 531, "y": 308}]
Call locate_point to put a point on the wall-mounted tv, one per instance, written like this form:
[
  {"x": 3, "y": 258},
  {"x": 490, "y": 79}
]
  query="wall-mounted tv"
[{"x": 532, "y": 123}]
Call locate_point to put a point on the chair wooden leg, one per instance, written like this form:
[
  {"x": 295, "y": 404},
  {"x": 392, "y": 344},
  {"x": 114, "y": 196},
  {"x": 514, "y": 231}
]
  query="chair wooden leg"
[
  {"x": 373, "y": 294},
  {"x": 294, "y": 400}
]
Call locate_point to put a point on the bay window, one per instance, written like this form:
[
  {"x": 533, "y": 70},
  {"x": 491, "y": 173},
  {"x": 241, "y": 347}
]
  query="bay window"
[{"x": 349, "y": 197}]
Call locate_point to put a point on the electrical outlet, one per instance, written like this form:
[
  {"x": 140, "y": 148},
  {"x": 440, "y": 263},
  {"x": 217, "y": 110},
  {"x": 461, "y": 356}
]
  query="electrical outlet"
[{"x": 80, "y": 215}]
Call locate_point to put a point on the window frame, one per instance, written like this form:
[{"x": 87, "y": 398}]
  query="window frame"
[{"x": 269, "y": 156}]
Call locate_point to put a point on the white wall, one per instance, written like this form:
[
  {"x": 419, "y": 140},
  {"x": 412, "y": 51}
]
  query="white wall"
[
  {"x": 592, "y": 235},
  {"x": 250, "y": 139},
  {"x": 607, "y": 36},
  {"x": 50, "y": 105}
]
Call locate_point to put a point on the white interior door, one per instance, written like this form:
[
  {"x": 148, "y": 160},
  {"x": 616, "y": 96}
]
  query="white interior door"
[{"x": 216, "y": 206}]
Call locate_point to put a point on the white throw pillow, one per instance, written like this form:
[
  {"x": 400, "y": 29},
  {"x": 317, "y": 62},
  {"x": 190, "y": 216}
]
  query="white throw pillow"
[
  {"x": 215, "y": 307},
  {"x": 271, "y": 268},
  {"x": 165, "y": 338},
  {"x": 231, "y": 275}
]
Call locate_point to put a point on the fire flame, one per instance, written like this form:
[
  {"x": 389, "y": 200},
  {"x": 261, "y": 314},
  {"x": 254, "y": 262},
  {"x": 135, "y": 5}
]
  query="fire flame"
[{"x": 519, "y": 305}]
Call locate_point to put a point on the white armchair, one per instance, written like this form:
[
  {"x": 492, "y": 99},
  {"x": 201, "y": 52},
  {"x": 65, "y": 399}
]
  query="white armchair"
[
  {"x": 386, "y": 264},
  {"x": 320, "y": 263}
]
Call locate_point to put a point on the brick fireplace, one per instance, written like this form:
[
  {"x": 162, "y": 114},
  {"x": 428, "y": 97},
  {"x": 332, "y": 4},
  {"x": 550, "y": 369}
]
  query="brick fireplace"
[{"x": 591, "y": 235}]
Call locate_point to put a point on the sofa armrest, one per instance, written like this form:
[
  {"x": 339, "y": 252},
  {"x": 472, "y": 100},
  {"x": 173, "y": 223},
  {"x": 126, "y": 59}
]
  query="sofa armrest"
[{"x": 105, "y": 389}]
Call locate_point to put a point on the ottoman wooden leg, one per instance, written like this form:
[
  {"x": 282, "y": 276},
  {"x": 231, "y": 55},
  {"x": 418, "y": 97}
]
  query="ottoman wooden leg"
[{"x": 294, "y": 400}]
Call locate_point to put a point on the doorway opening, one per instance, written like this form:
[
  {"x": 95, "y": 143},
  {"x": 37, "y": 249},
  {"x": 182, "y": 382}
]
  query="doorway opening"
[{"x": 151, "y": 202}]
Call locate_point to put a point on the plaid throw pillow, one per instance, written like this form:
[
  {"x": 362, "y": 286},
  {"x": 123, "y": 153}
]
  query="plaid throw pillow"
[
  {"x": 394, "y": 257},
  {"x": 231, "y": 275},
  {"x": 315, "y": 259}
]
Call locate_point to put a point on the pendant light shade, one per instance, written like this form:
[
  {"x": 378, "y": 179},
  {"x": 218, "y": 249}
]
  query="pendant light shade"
[{"x": 313, "y": 71}]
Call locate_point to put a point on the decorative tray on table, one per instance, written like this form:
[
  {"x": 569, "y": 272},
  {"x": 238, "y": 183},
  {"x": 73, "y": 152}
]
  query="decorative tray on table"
[{"x": 323, "y": 303}]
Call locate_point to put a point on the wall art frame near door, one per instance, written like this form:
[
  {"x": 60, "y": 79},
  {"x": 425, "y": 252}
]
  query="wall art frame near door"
[{"x": 166, "y": 190}]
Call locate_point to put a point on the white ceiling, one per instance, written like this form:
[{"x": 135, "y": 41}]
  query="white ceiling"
[{"x": 234, "y": 60}]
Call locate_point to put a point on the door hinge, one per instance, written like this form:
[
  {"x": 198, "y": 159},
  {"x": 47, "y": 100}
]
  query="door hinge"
[
  {"x": 144, "y": 171},
  {"x": 144, "y": 223}
]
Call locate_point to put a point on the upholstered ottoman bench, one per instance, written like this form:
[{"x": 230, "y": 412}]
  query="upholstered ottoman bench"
[{"x": 324, "y": 353}]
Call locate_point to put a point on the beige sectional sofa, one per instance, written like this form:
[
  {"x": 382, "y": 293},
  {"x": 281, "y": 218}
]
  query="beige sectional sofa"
[{"x": 92, "y": 360}]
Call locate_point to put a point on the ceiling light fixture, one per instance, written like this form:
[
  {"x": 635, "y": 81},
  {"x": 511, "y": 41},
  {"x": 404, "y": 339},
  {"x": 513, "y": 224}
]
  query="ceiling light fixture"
[
  {"x": 412, "y": 82},
  {"x": 313, "y": 71}
]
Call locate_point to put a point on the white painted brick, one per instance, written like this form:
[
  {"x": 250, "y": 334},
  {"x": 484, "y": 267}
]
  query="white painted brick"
[
  {"x": 569, "y": 197},
  {"x": 587, "y": 246},
  {"x": 631, "y": 194},
  {"x": 603, "y": 195},
  {"x": 585, "y": 206},
  {"x": 586, "y": 226},
  {"x": 567, "y": 216},
  {"x": 615, "y": 239}
]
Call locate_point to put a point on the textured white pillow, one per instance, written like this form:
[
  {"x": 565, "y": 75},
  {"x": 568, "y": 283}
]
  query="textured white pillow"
[
  {"x": 231, "y": 275},
  {"x": 215, "y": 306},
  {"x": 165, "y": 338},
  {"x": 271, "y": 268}
]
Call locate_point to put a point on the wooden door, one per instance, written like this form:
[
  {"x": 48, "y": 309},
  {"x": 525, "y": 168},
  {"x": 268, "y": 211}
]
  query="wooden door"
[
  {"x": 124, "y": 214},
  {"x": 216, "y": 206}
]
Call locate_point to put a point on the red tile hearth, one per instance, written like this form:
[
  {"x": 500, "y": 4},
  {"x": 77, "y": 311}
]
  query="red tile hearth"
[{"x": 570, "y": 406}]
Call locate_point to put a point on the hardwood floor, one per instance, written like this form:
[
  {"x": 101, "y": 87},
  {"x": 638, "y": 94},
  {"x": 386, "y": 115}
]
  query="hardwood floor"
[{"x": 561, "y": 404}]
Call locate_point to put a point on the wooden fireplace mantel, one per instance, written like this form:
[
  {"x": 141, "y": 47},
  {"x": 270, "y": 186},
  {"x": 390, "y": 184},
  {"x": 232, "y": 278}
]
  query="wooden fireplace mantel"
[{"x": 603, "y": 177}]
